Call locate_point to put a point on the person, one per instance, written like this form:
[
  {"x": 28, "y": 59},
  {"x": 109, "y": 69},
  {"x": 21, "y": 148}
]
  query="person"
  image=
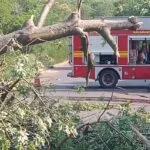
[
  {"x": 148, "y": 54},
  {"x": 141, "y": 57},
  {"x": 143, "y": 51}
]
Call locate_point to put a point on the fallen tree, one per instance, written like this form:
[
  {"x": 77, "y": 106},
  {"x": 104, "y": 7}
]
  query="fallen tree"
[{"x": 33, "y": 34}]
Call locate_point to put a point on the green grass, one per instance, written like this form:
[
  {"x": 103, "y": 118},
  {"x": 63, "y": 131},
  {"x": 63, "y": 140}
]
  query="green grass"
[{"x": 51, "y": 53}]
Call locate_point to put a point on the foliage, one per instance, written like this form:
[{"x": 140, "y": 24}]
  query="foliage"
[
  {"x": 40, "y": 122},
  {"x": 63, "y": 6},
  {"x": 132, "y": 7},
  {"x": 113, "y": 134},
  {"x": 16, "y": 13},
  {"x": 4, "y": 17},
  {"x": 24, "y": 121},
  {"x": 18, "y": 65},
  {"x": 34, "y": 124},
  {"x": 31, "y": 121},
  {"x": 50, "y": 53},
  {"x": 98, "y": 8}
]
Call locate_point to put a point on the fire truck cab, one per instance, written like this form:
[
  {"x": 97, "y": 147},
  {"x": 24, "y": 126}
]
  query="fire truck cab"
[{"x": 133, "y": 63}]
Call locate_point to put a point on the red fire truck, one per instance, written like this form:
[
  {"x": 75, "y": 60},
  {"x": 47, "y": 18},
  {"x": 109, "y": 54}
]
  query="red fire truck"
[{"x": 108, "y": 68}]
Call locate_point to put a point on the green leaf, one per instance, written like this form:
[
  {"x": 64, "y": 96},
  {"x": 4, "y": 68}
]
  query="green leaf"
[
  {"x": 42, "y": 125},
  {"x": 49, "y": 121}
]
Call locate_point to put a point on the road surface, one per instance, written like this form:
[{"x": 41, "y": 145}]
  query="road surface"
[
  {"x": 66, "y": 88},
  {"x": 70, "y": 87}
]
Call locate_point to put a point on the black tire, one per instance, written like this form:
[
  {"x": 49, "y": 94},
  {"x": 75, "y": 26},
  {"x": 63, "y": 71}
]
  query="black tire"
[{"x": 108, "y": 79}]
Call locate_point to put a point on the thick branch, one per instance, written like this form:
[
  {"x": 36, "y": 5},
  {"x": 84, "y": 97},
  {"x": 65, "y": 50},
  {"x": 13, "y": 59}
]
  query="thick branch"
[
  {"x": 68, "y": 28},
  {"x": 96, "y": 25},
  {"x": 79, "y": 3},
  {"x": 105, "y": 32},
  {"x": 33, "y": 35},
  {"x": 45, "y": 12},
  {"x": 141, "y": 137},
  {"x": 29, "y": 24},
  {"x": 4, "y": 95}
]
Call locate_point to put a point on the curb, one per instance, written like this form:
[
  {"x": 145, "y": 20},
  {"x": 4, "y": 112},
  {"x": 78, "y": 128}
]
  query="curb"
[{"x": 105, "y": 99}]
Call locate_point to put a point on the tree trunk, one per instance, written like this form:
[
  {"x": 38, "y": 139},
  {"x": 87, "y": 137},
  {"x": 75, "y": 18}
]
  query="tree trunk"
[{"x": 31, "y": 34}]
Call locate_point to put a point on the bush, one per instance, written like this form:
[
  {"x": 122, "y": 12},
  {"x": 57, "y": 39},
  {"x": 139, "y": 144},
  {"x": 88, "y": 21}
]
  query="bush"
[
  {"x": 31, "y": 121},
  {"x": 50, "y": 53}
]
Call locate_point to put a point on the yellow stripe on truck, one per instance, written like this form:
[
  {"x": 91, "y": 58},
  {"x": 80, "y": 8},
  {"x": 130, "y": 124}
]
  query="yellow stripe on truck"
[
  {"x": 78, "y": 53},
  {"x": 123, "y": 53}
]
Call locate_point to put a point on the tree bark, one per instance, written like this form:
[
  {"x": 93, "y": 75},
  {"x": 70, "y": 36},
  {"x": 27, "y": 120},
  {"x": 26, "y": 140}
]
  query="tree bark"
[
  {"x": 31, "y": 34},
  {"x": 143, "y": 139},
  {"x": 45, "y": 12}
]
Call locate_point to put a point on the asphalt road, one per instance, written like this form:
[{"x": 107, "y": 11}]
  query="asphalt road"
[
  {"x": 65, "y": 87},
  {"x": 70, "y": 89}
]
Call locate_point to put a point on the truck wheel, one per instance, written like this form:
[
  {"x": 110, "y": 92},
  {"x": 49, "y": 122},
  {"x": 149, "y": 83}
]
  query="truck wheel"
[{"x": 108, "y": 79}]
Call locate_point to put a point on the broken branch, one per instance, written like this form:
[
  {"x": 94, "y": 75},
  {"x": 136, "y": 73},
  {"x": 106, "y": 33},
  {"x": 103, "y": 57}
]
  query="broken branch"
[
  {"x": 45, "y": 12},
  {"x": 143, "y": 139}
]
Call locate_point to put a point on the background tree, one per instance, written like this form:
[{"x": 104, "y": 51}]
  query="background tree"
[
  {"x": 14, "y": 14},
  {"x": 131, "y": 7},
  {"x": 98, "y": 8}
]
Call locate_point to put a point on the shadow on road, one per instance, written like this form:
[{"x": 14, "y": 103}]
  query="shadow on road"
[
  {"x": 92, "y": 88},
  {"x": 59, "y": 68}
]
